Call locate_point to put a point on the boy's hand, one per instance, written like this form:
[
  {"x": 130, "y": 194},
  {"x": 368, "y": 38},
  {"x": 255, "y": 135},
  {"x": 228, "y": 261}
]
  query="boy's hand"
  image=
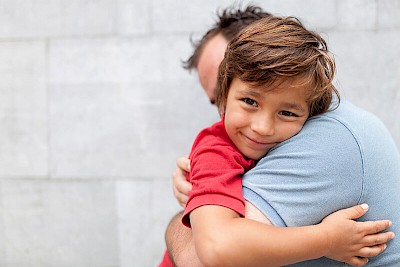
[
  {"x": 181, "y": 186},
  {"x": 353, "y": 242}
]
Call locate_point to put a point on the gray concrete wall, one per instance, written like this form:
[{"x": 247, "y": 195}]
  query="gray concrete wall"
[{"x": 95, "y": 108}]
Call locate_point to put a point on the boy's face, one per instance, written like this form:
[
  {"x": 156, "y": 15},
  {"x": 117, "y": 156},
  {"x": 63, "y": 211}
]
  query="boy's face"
[{"x": 257, "y": 118}]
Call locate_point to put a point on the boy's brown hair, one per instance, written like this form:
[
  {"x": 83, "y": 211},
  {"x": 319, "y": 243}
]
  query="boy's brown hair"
[{"x": 273, "y": 49}]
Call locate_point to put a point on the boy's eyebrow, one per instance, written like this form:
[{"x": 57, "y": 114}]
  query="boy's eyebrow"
[
  {"x": 249, "y": 92},
  {"x": 291, "y": 105}
]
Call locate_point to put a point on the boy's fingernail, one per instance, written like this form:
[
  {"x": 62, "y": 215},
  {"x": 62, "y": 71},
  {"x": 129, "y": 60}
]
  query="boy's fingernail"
[{"x": 364, "y": 206}]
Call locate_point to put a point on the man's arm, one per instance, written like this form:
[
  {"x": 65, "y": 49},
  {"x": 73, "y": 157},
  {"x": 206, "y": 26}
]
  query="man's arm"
[
  {"x": 180, "y": 244},
  {"x": 178, "y": 237}
]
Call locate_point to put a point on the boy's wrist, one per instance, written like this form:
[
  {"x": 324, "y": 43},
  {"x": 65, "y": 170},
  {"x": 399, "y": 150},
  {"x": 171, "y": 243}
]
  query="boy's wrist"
[{"x": 324, "y": 239}]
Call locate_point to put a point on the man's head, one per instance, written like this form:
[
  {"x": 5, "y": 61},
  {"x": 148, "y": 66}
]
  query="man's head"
[
  {"x": 275, "y": 49},
  {"x": 209, "y": 51}
]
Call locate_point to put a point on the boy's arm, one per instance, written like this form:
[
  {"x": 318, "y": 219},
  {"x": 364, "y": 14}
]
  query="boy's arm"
[
  {"x": 222, "y": 238},
  {"x": 179, "y": 238}
]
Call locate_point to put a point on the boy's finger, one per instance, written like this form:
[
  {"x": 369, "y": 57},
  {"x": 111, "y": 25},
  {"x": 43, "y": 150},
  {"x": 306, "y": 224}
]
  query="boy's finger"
[
  {"x": 372, "y": 251},
  {"x": 377, "y": 239},
  {"x": 355, "y": 211},
  {"x": 356, "y": 261},
  {"x": 373, "y": 227}
]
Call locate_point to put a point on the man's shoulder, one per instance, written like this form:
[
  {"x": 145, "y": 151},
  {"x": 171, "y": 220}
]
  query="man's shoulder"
[
  {"x": 347, "y": 123},
  {"x": 347, "y": 115}
]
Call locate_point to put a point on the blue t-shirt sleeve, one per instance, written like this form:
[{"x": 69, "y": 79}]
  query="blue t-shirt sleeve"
[{"x": 309, "y": 176}]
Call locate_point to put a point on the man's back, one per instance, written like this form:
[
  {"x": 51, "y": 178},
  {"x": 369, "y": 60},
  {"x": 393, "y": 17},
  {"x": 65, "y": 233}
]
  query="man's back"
[{"x": 339, "y": 159}]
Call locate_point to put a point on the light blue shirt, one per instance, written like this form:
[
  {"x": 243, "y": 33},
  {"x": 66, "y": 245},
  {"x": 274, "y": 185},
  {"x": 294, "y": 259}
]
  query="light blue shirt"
[{"x": 339, "y": 159}]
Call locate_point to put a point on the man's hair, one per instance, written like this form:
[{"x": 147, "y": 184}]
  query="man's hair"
[
  {"x": 274, "y": 49},
  {"x": 230, "y": 21}
]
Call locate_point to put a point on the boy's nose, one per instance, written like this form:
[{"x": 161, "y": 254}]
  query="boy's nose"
[{"x": 263, "y": 126}]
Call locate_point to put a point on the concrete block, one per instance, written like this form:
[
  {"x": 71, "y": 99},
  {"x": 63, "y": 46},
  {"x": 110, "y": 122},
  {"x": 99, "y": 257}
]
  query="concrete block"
[
  {"x": 172, "y": 16},
  {"x": 133, "y": 198},
  {"x": 113, "y": 131},
  {"x": 314, "y": 14},
  {"x": 352, "y": 50},
  {"x": 2, "y": 230},
  {"x": 181, "y": 16},
  {"x": 144, "y": 210},
  {"x": 134, "y": 206},
  {"x": 165, "y": 206},
  {"x": 106, "y": 60},
  {"x": 59, "y": 223},
  {"x": 357, "y": 14},
  {"x": 103, "y": 138},
  {"x": 126, "y": 60},
  {"x": 23, "y": 109},
  {"x": 33, "y": 18},
  {"x": 134, "y": 17},
  {"x": 388, "y": 14},
  {"x": 174, "y": 50}
]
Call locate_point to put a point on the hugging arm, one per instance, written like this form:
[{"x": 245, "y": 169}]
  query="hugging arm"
[{"x": 220, "y": 236}]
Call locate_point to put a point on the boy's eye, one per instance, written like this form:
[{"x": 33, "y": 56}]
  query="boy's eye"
[
  {"x": 250, "y": 102},
  {"x": 287, "y": 113}
]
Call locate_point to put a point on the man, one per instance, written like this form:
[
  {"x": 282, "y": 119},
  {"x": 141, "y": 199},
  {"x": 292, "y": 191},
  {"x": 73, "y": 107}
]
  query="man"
[{"x": 340, "y": 159}]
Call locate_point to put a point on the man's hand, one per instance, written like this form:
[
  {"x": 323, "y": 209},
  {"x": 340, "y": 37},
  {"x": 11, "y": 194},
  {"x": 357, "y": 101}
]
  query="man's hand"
[{"x": 181, "y": 187}]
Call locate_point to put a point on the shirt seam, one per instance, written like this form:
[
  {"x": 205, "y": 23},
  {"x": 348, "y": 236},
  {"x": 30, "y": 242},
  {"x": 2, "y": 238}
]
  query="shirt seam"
[{"x": 358, "y": 142}]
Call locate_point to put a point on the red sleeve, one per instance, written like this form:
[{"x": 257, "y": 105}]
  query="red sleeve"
[
  {"x": 216, "y": 170},
  {"x": 166, "y": 261}
]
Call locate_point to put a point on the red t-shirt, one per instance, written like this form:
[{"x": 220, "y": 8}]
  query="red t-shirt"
[
  {"x": 216, "y": 169},
  {"x": 166, "y": 261}
]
